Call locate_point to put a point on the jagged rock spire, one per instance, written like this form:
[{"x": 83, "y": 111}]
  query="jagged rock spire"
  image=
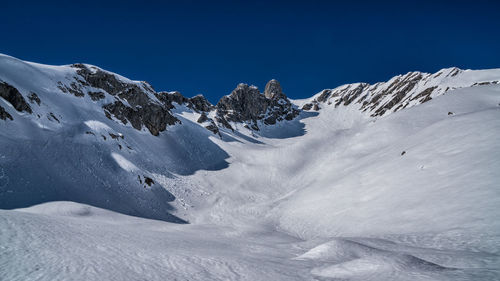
[
  {"x": 273, "y": 89},
  {"x": 246, "y": 104}
]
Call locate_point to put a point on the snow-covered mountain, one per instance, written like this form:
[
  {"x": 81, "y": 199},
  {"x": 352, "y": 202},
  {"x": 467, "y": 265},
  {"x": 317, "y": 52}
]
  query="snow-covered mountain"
[{"x": 392, "y": 181}]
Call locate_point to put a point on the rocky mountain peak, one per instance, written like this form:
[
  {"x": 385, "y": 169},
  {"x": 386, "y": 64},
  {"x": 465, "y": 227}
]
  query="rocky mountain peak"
[
  {"x": 246, "y": 104},
  {"x": 273, "y": 89}
]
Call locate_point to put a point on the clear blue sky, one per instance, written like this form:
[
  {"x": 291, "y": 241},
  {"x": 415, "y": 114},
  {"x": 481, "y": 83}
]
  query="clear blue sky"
[{"x": 201, "y": 47}]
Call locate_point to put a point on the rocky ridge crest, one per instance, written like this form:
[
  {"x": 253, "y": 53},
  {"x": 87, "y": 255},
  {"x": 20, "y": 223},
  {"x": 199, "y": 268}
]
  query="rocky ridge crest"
[
  {"x": 246, "y": 104},
  {"x": 400, "y": 92},
  {"x": 138, "y": 104}
]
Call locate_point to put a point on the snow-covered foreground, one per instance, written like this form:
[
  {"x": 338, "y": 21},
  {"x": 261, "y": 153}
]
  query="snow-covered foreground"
[
  {"x": 71, "y": 241},
  {"x": 334, "y": 195}
]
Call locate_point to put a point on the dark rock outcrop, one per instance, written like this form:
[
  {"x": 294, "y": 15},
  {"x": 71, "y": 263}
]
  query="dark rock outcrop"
[
  {"x": 213, "y": 128},
  {"x": 425, "y": 95},
  {"x": 323, "y": 97},
  {"x": 273, "y": 90},
  {"x": 95, "y": 96},
  {"x": 4, "y": 115},
  {"x": 74, "y": 88},
  {"x": 133, "y": 103},
  {"x": 201, "y": 104},
  {"x": 153, "y": 116},
  {"x": 307, "y": 106},
  {"x": 149, "y": 181},
  {"x": 97, "y": 78},
  {"x": 398, "y": 92},
  {"x": 221, "y": 120},
  {"x": 168, "y": 98},
  {"x": 52, "y": 117},
  {"x": 353, "y": 93},
  {"x": 34, "y": 98},
  {"x": 115, "y": 136},
  {"x": 14, "y": 97},
  {"x": 198, "y": 103},
  {"x": 247, "y": 105},
  {"x": 203, "y": 117}
]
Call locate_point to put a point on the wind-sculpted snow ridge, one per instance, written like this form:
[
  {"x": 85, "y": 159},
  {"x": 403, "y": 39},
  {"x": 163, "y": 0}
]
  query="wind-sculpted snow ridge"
[
  {"x": 381, "y": 259},
  {"x": 399, "y": 181}
]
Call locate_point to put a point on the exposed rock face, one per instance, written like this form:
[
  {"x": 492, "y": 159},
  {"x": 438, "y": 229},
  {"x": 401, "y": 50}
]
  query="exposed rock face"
[
  {"x": 198, "y": 103},
  {"x": 75, "y": 88},
  {"x": 52, "y": 117},
  {"x": 149, "y": 181},
  {"x": 4, "y": 115},
  {"x": 246, "y": 104},
  {"x": 385, "y": 97},
  {"x": 213, "y": 128},
  {"x": 97, "y": 78},
  {"x": 398, "y": 89},
  {"x": 324, "y": 95},
  {"x": 133, "y": 103},
  {"x": 351, "y": 93},
  {"x": 168, "y": 98},
  {"x": 203, "y": 118},
  {"x": 14, "y": 97},
  {"x": 273, "y": 90},
  {"x": 425, "y": 95},
  {"x": 307, "y": 106},
  {"x": 153, "y": 116},
  {"x": 34, "y": 98},
  {"x": 95, "y": 96},
  {"x": 222, "y": 121}
]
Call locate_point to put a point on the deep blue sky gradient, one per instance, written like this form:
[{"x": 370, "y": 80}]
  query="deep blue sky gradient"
[{"x": 209, "y": 47}]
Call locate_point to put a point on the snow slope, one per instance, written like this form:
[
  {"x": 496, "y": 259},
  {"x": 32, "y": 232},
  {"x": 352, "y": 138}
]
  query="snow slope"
[
  {"x": 84, "y": 156},
  {"x": 448, "y": 158},
  {"x": 335, "y": 194}
]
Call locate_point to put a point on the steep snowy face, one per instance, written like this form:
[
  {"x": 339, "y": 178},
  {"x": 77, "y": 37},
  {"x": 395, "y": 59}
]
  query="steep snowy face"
[
  {"x": 401, "y": 91},
  {"x": 83, "y": 134}
]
